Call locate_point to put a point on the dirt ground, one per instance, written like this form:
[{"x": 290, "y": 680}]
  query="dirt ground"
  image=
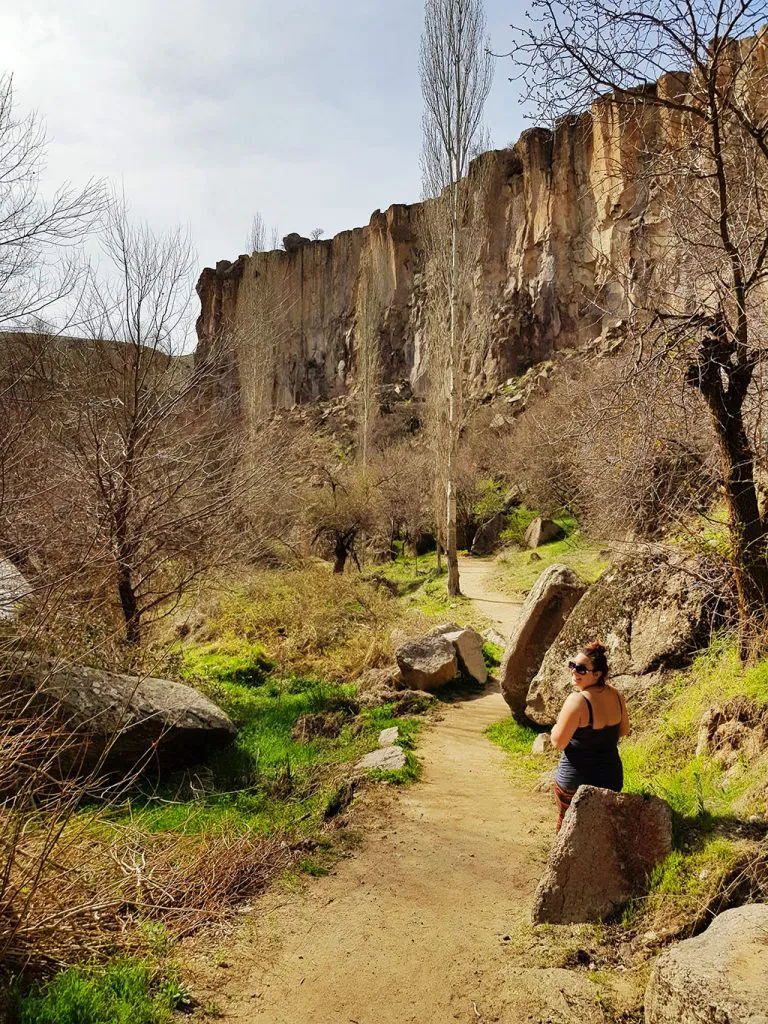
[{"x": 422, "y": 923}]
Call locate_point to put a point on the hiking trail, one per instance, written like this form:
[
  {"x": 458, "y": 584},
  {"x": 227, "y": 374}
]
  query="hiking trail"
[{"x": 418, "y": 925}]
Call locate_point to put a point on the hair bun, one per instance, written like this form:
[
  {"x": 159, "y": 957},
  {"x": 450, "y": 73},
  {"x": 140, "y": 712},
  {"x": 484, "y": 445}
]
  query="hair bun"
[{"x": 595, "y": 648}]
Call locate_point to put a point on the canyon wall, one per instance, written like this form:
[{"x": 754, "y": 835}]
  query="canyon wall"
[{"x": 561, "y": 210}]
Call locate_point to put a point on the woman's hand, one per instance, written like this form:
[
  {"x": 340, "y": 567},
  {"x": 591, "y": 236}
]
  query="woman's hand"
[{"x": 568, "y": 721}]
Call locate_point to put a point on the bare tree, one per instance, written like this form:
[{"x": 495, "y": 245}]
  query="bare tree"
[
  {"x": 38, "y": 267},
  {"x": 316, "y": 234},
  {"x": 146, "y": 465},
  {"x": 695, "y": 289},
  {"x": 257, "y": 236},
  {"x": 456, "y": 73},
  {"x": 368, "y": 353},
  {"x": 342, "y": 509}
]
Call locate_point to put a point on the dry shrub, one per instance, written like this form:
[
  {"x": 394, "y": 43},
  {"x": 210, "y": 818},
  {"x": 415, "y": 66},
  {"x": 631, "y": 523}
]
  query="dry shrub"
[
  {"x": 310, "y": 620},
  {"x": 630, "y": 453}
]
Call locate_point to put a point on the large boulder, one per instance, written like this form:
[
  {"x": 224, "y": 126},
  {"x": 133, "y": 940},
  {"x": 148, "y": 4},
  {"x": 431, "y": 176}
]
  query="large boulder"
[
  {"x": 293, "y": 241},
  {"x": 603, "y": 855},
  {"x": 468, "y": 645},
  {"x": 486, "y": 540},
  {"x": 545, "y": 610},
  {"x": 115, "y": 723},
  {"x": 428, "y": 663},
  {"x": 651, "y": 614},
  {"x": 718, "y": 976},
  {"x": 542, "y": 531},
  {"x": 13, "y": 588}
]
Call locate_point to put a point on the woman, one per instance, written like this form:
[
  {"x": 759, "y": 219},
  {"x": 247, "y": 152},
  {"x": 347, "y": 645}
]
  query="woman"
[{"x": 588, "y": 729}]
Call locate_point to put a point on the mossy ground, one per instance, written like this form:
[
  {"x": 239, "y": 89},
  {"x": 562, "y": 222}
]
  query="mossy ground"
[{"x": 517, "y": 573}]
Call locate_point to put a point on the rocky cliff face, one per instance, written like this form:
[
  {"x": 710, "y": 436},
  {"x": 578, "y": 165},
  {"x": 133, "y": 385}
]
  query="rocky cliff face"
[{"x": 560, "y": 209}]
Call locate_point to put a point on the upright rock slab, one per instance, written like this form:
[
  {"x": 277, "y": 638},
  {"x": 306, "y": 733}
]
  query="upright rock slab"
[
  {"x": 651, "y": 615},
  {"x": 718, "y": 976},
  {"x": 469, "y": 646},
  {"x": 542, "y": 531},
  {"x": 551, "y": 600},
  {"x": 602, "y": 856}
]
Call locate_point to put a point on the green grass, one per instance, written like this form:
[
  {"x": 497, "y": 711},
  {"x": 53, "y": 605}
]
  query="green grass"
[
  {"x": 517, "y": 741},
  {"x": 267, "y": 782},
  {"x": 517, "y": 573},
  {"x": 126, "y": 991}
]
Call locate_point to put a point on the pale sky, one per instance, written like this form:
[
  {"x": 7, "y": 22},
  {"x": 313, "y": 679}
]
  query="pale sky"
[{"x": 205, "y": 112}]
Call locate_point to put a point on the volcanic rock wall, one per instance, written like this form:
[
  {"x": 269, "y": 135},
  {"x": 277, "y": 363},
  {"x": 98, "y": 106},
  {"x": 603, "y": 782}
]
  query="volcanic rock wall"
[{"x": 561, "y": 209}]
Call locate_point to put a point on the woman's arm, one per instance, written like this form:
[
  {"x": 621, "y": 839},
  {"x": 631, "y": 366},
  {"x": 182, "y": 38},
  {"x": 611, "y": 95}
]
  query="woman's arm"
[
  {"x": 567, "y": 722},
  {"x": 624, "y": 729}
]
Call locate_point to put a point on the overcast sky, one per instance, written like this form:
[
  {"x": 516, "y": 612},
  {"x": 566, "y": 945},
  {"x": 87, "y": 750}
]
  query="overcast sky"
[{"x": 205, "y": 111}]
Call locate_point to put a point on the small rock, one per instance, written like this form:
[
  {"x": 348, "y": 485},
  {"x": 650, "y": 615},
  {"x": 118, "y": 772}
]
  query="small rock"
[
  {"x": 387, "y": 759},
  {"x": 541, "y": 743},
  {"x": 388, "y": 736}
]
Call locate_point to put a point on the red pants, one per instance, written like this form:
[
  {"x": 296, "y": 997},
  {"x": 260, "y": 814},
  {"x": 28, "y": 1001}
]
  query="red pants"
[{"x": 563, "y": 799}]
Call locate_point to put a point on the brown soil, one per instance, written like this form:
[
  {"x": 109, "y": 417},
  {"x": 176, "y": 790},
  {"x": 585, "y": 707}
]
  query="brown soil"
[{"x": 422, "y": 924}]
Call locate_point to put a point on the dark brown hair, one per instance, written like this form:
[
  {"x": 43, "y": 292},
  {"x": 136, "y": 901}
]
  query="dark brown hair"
[{"x": 597, "y": 655}]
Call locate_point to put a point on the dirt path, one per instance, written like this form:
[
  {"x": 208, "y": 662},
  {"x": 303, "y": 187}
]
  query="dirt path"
[
  {"x": 500, "y": 609},
  {"x": 416, "y": 926}
]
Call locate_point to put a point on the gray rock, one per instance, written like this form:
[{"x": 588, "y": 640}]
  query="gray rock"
[
  {"x": 649, "y": 613},
  {"x": 13, "y": 588},
  {"x": 387, "y": 759},
  {"x": 486, "y": 540},
  {"x": 542, "y": 531},
  {"x": 549, "y": 603},
  {"x": 541, "y": 744},
  {"x": 294, "y": 241},
  {"x": 427, "y": 664},
  {"x": 119, "y": 723},
  {"x": 469, "y": 647},
  {"x": 717, "y": 977},
  {"x": 602, "y": 856},
  {"x": 388, "y": 736}
]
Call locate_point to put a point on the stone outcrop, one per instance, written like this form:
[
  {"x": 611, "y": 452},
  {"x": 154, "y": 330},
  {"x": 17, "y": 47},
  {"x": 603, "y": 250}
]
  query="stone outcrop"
[
  {"x": 603, "y": 855},
  {"x": 717, "y": 976},
  {"x": 117, "y": 723},
  {"x": 545, "y": 610},
  {"x": 561, "y": 209},
  {"x": 649, "y": 612},
  {"x": 542, "y": 531}
]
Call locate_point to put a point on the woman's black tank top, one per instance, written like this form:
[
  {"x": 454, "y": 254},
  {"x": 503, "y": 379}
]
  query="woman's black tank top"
[{"x": 592, "y": 757}]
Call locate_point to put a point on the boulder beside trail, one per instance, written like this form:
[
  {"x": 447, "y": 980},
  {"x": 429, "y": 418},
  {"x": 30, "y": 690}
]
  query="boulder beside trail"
[
  {"x": 385, "y": 759},
  {"x": 542, "y": 531},
  {"x": 718, "y": 976},
  {"x": 118, "y": 723},
  {"x": 428, "y": 663},
  {"x": 469, "y": 647},
  {"x": 486, "y": 539},
  {"x": 434, "y": 660},
  {"x": 545, "y": 610},
  {"x": 603, "y": 854},
  {"x": 650, "y": 613}
]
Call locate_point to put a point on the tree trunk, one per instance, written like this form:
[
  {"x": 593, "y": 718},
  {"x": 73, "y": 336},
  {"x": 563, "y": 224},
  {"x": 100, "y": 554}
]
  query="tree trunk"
[
  {"x": 451, "y": 552},
  {"x": 748, "y": 533},
  {"x": 341, "y": 553},
  {"x": 129, "y": 606}
]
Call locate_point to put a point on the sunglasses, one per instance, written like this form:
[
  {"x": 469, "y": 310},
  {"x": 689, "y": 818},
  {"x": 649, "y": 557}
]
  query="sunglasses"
[{"x": 580, "y": 670}]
